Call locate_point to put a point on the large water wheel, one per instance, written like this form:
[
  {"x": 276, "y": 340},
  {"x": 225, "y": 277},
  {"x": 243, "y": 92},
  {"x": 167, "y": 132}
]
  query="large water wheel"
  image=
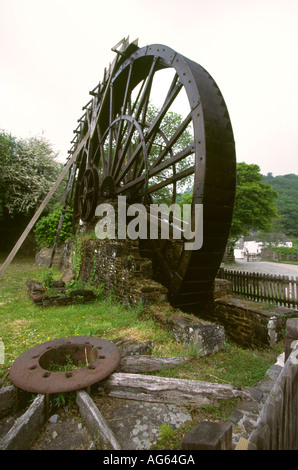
[{"x": 133, "y": 144}]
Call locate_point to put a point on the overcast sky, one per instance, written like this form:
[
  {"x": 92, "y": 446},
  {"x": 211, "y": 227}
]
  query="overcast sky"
[{"x": 53, "y": 52}]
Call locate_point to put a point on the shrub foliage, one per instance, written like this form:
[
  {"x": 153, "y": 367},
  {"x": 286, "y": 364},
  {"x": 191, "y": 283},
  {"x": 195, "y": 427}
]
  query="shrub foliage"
[{"x": 46, "y": 228}]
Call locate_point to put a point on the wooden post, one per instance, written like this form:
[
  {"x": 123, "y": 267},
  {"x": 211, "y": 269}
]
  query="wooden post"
[{"x": 66, "y": 202}]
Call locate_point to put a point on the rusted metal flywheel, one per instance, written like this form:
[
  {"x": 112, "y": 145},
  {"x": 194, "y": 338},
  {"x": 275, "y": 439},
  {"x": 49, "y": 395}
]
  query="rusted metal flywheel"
[
  {"x": 126, "y": 149},
  {"x": 32, "y": 370}
]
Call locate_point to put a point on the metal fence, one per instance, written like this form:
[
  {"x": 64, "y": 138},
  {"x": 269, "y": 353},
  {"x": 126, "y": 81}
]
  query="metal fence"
[{"x": 280, "y": 290}]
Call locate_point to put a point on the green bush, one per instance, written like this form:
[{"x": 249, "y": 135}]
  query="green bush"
[
  {"x": 46, "y": 228},
  {"x": 286, "y": 250}
]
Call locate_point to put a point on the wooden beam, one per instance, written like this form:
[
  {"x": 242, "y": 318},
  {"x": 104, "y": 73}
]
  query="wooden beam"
[
  {"x": 168, "y": 390},
  {"x": 95, "y": 422},
  {"x": 145, "y": 364}
]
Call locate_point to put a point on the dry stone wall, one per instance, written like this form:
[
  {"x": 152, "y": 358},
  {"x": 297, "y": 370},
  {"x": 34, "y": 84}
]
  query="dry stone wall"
[
  {"x": 117, "y": 265},
  {"x": 248, "y": 323}
]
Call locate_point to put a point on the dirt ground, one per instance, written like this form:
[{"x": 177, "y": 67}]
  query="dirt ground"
[{"x": 135, "y": 425}]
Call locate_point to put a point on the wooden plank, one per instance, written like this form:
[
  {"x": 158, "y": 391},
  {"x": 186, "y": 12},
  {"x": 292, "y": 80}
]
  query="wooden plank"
[
  {"x": 96, "y": 424},
  {"x": 144, "y": 364},
  {"x": 25, "y": 429},
  {"x": 64, "y": 209},
  {"x": 258, "y": 288},
  {"x": 242, "y": 444},
  {"x": 168, "y": 390}
]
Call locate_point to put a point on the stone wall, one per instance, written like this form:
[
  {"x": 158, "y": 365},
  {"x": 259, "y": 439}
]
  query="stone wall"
[
  {"x": 250, "y": 324},
  {"x": 117, "y": 265},
  {"x": 268, "y": 254}
]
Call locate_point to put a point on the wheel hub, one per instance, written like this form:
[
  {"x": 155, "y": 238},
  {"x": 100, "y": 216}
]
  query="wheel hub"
[
  {"x": 88, "y": 195},
  {"x": 96, "y": 358},
  {"x": 108, "y": 188}
]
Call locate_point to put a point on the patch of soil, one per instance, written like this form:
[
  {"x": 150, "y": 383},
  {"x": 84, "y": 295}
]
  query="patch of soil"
[{"x": 67, "y": 433}]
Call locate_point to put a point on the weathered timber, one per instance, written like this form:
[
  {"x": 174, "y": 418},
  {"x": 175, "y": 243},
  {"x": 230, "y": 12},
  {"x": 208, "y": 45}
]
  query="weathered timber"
[
  {"x": 143, "y": 364},
  {"x": 277, "y": 423},
  {"x": 96, "y": 424},
  {"x": 209, "y": 436},
  {"x": 168, "y": 390},
  {"x": 26, "y": 427}
]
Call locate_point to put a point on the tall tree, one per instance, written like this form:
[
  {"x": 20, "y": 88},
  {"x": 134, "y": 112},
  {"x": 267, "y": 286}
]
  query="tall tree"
[
  {"x": 287, "y": 202},
  {"x": 28, "y": 169},
  {"x": 7, "y": 150},
  {"x": 254, "y": 202}
]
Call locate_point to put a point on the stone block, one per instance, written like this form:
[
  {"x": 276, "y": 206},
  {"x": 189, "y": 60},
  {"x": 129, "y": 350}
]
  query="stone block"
[
  {"x": 204, "y": 337},
  {"x": 115, "y": 250},
  {"x": 222, "y": 287},
  {"x": 119, "y": 267},
  {"x": 132, "y": 347},
  {"x": 43, "y": 257},
  {"x": 209, "y": 436},
  {"x": 250, "y": 324}
]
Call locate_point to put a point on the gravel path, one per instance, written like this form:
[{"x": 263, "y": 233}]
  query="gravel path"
[{"x": 265, "y": 267}]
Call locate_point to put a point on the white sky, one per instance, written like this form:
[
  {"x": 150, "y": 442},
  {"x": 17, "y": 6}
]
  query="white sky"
[{"x": 53, "y": 52}]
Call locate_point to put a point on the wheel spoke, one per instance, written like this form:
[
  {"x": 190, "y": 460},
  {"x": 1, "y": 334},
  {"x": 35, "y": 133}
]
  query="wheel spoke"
[
  {"x": 152, "y": 131},
  {"x": 102, "y": 153},
  {"x": 179, "y": 131},
  {"x": 153, "y": 171},
  {"x": 139, "y": 107},
  {"x": 189, "y": 171}
]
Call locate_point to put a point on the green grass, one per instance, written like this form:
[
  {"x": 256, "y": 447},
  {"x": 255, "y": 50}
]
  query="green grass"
[{"x": 24, "y": 325}]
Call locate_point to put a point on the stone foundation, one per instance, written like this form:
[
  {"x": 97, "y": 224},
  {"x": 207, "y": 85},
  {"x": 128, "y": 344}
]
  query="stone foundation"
[
  {"x": 247, "y": 323},
  {"x": 58, "y": 296},
  {"x": 118, "y": 266},
  {"x": 204, "y": 337}
]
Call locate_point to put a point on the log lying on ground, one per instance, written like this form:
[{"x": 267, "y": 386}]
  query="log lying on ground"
[
  {"x": 168, "y": 390},
  {"x": 143, "y": 364}
]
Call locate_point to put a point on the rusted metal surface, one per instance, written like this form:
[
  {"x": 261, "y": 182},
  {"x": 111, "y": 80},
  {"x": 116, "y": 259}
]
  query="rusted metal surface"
[{"x": 32, "y": 371}]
